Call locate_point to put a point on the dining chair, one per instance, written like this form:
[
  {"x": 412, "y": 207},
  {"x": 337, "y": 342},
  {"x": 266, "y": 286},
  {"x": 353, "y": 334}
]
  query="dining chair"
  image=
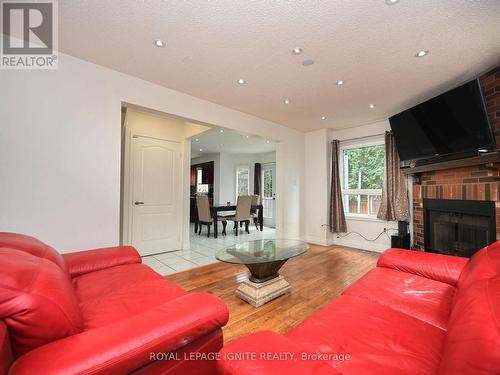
[
  {"x": 254, "y": 212},
  {"x": 242, "y": 214},
  {"x": 205, "y": 217}
]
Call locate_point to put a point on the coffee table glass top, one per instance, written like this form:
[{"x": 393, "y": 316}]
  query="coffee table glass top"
[{"x": 262, "y": 251}]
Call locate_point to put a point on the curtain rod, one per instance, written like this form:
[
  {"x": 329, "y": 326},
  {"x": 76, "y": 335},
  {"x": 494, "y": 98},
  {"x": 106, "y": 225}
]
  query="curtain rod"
[{"x": 365, "y": 137}]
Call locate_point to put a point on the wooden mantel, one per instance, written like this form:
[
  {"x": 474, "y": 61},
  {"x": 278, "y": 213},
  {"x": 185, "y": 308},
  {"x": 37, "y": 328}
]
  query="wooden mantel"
[{"x": 476, "y": 160}]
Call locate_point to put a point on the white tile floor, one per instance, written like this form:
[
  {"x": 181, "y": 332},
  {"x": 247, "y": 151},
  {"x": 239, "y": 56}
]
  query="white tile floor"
[{"x": 202, "y": 250}]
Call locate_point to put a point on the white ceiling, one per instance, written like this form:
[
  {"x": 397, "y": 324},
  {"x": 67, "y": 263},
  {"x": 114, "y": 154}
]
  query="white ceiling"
[
  {"x": 368, "y": 44},
  {"x": 215, "y": 141}
]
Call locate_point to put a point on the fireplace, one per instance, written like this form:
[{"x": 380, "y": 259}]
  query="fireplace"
[{"x": 458, "y": 227}]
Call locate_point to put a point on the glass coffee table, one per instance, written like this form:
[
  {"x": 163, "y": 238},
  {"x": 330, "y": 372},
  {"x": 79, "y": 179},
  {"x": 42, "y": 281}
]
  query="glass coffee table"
[{"x": 263, "y": 258}]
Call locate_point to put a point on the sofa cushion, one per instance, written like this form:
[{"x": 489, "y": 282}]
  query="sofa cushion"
[
  {"x": 420, "y": 297},
  {"x": 485, "y": 264},
  {"x": 120, "y": 292},
  {"x": 37, "y": 301},
  {"x": 472, "y": 345},
  {"x": 31, "y": 245},
  {"x": 379, "y": 340}
]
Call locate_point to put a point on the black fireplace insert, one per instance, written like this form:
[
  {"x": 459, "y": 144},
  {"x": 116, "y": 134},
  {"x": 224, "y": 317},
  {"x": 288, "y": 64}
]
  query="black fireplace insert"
[{"x": 458, "y": 227}]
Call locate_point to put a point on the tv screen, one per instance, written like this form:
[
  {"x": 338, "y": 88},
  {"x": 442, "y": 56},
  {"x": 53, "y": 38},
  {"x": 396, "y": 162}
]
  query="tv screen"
[{"x": 454, "y": 122}]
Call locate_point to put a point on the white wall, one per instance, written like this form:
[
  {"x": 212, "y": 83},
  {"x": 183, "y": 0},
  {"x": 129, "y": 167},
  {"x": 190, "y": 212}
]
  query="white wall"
[
  {"x": 317, "y": 183},
  {"x": 60, "y": 143}
]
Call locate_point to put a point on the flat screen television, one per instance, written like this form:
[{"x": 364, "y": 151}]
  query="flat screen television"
[{"x": 452, "y": 124}]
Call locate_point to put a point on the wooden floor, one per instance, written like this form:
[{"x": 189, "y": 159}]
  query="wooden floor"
[{"x": 316, "y": 278}]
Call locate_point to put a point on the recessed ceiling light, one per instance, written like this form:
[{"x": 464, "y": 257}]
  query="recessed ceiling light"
[
  {"x": 297, "y": 51},
  {"x": 197, "y": 139},
  {"x": 422, "y": 53},
  {"x": 391, "y": 2},
  {"x": 340, "y": 82},
  {"x": 201, "y": 149},
  {"x": 248, "y": 136},
  {"x": 159, "y": 43},
  {"x": 222, "y": 130},
  {"x": 241, "y": 81},
  {"x": 286, "y": 101},
  {"x": 267, "y": 141},
  {"x": 308, "y": 62},
  {"x": 371, "y": 106},
  {"x": 323, "y": 117}
]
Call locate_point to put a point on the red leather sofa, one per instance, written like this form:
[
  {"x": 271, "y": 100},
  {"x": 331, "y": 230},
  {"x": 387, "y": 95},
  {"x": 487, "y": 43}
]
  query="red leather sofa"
[
  {"x": 99, "y": 312},
  {"x": 415, "y": 313}
]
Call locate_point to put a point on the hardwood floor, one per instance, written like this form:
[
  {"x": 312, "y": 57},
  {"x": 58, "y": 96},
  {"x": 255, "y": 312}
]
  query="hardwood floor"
[{"x": 316, "y": 278}]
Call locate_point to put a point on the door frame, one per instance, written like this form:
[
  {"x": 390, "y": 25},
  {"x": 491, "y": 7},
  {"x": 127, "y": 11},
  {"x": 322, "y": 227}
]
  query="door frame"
[{"x": 274, "y": 168}]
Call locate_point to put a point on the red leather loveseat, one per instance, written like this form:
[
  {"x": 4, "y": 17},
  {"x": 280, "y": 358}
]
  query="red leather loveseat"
[
  {"x": 100, "y": 312},
  {"x": 415, "y": 313}
]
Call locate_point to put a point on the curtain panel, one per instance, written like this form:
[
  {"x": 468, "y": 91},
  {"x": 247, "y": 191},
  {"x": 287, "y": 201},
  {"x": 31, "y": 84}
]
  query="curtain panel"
[
  {"x": 257, "y": 178},
  {"x": 337, "y": 217},
  {"x": 394, "y": 205}
]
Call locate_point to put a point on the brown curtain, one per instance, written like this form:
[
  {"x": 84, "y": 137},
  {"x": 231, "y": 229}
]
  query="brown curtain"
[
  {"x": 337, "y": 218},
  {"x": 394, "y": 204},
  {"x": 256, "y": 178}
]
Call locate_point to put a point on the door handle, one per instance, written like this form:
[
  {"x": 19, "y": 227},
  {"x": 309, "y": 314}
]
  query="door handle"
[{"x": 138, "y": 203}]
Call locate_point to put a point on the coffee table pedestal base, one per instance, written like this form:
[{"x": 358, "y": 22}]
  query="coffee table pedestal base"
[{"x": 257, "y": 294}]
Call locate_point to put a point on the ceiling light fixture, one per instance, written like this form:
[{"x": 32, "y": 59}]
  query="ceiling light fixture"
[
  {"x": 297, "y": 51},
  {"x": 159, "y": 43},
  {"x": 201, "y": 149},
  {"x": 286, "y": 101},
  {"x": 422, "y": 53},
  {"x": 391, "y": 2},
  {"x": 323, "y": 117},
  {"x": 197, "y": 139},
  {"x": 222, "y": 130},
  {"x": 248, "y": 136},
  {"x": 340, "y": 82},
  {"x": 241, "y": 81},
  {"x": 268, "y": 141},
  {"x": 371, "y": 106}
]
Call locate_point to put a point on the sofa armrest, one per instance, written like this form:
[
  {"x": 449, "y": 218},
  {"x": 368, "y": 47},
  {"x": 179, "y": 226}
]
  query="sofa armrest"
[
  {"x": 267, "y": 353},
  {"x": 128, "y": 344},
  {"x": 443, "y": 268},
  {"x": 82, "y": 262}
]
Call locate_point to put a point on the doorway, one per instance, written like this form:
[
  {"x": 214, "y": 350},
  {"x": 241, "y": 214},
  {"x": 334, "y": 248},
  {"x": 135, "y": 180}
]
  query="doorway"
[{"x": 269, "y": 194}]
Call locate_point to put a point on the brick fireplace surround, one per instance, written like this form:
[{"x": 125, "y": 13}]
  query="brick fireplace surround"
[{"x": 480, "y": 182}]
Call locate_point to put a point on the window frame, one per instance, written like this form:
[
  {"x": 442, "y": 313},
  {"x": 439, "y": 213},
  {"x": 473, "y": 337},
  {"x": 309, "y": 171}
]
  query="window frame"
[
  {"x": 237, "y": 169},
  {"x": 350, "y": 145}
]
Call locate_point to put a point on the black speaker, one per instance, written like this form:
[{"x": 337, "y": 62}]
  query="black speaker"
[
  {"x": 401, "y": 241},
  {"x": 402, "y": 227}
]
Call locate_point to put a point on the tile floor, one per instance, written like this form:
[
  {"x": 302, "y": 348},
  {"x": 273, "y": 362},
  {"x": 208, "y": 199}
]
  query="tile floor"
[{"x": 202, "y": 250}]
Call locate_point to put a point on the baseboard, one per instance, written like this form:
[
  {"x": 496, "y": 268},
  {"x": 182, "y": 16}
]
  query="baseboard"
[{"x": 361, "y": 244}]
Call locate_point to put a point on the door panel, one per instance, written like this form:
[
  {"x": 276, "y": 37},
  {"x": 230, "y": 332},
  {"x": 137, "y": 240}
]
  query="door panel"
[
  {"x": 268, "y": 189},
  {"x": 156, "y": 188}
]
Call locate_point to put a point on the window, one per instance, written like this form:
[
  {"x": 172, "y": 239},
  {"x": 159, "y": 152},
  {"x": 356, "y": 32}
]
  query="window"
[
  {"x": 362, "y": 176},
  {"x": 242, "y": 180}
]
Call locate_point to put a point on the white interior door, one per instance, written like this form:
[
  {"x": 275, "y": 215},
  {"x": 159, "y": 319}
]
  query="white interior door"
[
  {"x": 268, "y": 189},
  {"x": 156, "y": 188}
]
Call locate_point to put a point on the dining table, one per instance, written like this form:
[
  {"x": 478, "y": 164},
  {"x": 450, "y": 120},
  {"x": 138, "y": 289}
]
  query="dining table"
[{"x": 215, "y": 210}]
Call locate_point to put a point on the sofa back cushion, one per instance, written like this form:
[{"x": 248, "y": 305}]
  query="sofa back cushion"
[
  {"x": 472, "y": 342},
  {"x": 37, "y": 301},
  {"x": 485, "y": 264},
  {"x": 31, "y": 245}
]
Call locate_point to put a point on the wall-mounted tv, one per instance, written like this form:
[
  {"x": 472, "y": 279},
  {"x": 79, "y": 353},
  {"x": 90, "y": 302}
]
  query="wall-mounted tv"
[{"x": 453, "y": 123}]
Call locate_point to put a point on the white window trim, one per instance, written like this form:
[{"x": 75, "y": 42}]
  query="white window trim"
[
  {"x": 349, "y": 145},
  {"x": 236, "y": 176}
]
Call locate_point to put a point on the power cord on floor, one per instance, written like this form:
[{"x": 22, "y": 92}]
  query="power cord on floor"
[{"x": 386, "y": 231}]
